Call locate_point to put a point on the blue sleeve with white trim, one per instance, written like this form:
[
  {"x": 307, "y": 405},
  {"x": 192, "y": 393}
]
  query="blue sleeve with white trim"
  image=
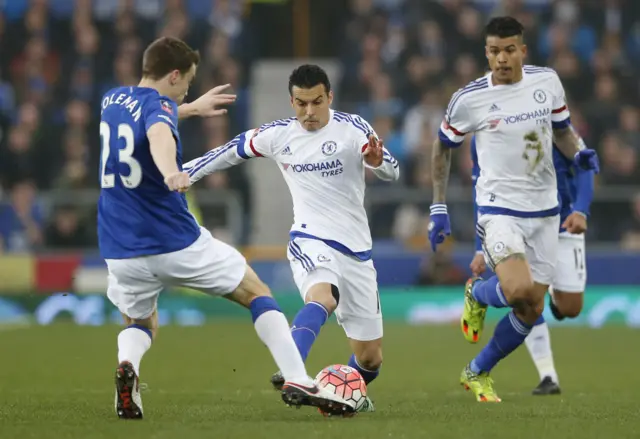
[{"x": 584, "y": 195}]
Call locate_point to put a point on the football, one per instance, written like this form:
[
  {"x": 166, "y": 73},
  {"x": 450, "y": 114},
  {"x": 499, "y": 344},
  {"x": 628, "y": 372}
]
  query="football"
[{"x": 345, "y": 382}]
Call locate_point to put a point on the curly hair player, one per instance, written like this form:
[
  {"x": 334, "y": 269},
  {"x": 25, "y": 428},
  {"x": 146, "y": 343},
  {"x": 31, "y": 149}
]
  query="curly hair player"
[
  {"x": 575, "y": 192},
  {"x": 515, "y": 112}
]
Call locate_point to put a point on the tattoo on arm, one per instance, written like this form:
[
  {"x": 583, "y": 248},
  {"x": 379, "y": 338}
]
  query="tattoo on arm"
[
  {"x": 440, "y": 165},
  {"x": 568, "y": 141}
]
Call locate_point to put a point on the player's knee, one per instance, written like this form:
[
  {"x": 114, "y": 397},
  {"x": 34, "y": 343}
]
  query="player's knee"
[
  {"x": 370, "y": 358},
  {"x": 569, "y": 304},
  {"x": 519, "y": 292},
  {"x": 325, "y": 294},
  {"x": 526, "y": 304},
  {"x": 251, "y": 287}
]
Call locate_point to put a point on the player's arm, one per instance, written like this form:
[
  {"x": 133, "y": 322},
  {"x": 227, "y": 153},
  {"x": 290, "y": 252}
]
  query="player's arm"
[
  {"x": 374, "y": 155},
  {"x": 475, "y": 174},
  {"x": 206, "y": 105},
  {"x": 450, "y": 135},
  {"x": 566, "y": 138},
  {"x": 568, "y": 141},
  {"x": 161, "y": 129},
  {"x": 457, "y": 122},
  {"x": 163, "y": 149},
  {"x": 440, "y": 168},
  {"x": 242, "y": 148},
  {"x": 377, "y": 158},
  {"x": 576, "y": 222},
  {"x": 478, "y": 264},
  {"x": 584, "y": 195}
]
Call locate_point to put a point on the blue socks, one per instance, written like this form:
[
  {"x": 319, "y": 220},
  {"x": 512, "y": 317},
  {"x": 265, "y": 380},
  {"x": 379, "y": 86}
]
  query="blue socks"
[
  {"x": 367, "y": 375},
  {"x": 306, "y": 326},
  {"x": 142, "y": 328},
  {"x": 488, "y": 292},
  {"x": 261, "y": 305},
  {"x": 305, "y": 329},
  {"x": 509, "y": 334}
]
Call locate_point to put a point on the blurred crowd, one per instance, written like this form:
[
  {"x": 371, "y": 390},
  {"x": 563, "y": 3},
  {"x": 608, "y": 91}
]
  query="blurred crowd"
[
  {"x": 404, "y": 59},
  {"x": 401, "y": 61},
  {"x": 57, "y": 59}
]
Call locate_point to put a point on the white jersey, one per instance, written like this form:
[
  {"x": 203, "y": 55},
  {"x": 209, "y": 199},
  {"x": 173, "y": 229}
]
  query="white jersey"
[
  {"x": 513, "y": 125},
  {"x": 325, "y": 172}
]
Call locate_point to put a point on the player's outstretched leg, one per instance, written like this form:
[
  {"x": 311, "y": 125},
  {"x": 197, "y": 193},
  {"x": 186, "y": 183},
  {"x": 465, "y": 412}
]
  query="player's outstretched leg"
[
  {"x": 478, "y": 295},
  {"x": 273, "y": 329},
  {"x": 539, "y": 345},
  {"x": 367, "y": 359},
  {"x": 518, "y": 290},
  {"x": 321, "y": 301},
  {"x": 133, "y": 342}
]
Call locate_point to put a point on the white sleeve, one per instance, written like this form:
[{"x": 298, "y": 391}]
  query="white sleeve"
[
  {"x": 389, "y": 170},
  {"x": 457, "y": 121},
  {"x": 243, "y": 147},
  {"x": 560, "y": 116}
]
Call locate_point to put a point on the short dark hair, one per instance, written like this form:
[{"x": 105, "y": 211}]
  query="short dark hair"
[
  {"x": 504, "y": 27},
  {"x": 308, "y": 76},
  {"x": 167, "y": 54}
]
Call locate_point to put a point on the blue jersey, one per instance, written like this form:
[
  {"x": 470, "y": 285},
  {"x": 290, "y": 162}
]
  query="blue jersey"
[
  {"x": 567, "y": 184},
  {"x": 137, "y": 214}
]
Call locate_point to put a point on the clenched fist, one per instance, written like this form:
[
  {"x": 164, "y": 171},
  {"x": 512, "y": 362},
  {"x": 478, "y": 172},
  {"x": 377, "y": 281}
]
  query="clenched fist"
[
  {"x": 478, "y": 264},
  {"x": 576, "y": 223},
  {"x": 178, "y": 182}
]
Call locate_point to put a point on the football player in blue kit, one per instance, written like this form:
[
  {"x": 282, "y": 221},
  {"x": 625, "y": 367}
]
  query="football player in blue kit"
[
  {"x": 151, "y": 241},
  {"x": 575, "y": 192}
]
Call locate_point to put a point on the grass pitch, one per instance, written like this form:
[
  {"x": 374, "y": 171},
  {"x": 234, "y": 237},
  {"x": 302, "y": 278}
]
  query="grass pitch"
[{"x": 213, "y": 381}]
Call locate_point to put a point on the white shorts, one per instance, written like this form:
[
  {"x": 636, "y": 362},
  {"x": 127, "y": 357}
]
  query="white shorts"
[
  {"x": 536, "y": 238},
  {"x": 571, "y": 268},
  {"x": 207, "y": 265},
  {"x": 358, "y": 311}
]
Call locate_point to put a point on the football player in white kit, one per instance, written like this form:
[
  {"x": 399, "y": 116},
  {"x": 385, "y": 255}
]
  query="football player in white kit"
[
  {"x": 515, "y": 112},
  {"x": 322, "y": 155},
  {"x": 575, "y": 192}
]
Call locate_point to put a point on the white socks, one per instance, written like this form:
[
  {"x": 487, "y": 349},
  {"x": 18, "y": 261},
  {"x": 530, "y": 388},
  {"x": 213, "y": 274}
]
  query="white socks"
[
  {"x": 273, "y": 329},
  {"x": 539, "y": 344},
  {"x": 132, "y": 345}
]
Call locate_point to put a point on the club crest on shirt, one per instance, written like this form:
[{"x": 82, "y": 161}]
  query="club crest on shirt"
[
  {"x": 329, "y": 147},
  {"x": 166, "y": 106},
  {"x": 540, "y": 96}
]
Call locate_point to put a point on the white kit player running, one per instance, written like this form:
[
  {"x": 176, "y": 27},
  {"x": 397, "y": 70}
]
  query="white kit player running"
[
  {"x": 322, "y": 155},
  {"x": 150, "y": 240},
  {"x": 575, "y": 192},
  {"x": 515, "y": 112}
]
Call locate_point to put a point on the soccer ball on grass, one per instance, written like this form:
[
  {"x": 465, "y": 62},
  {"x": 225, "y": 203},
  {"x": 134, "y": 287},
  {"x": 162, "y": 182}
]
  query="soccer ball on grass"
[{"x": 345, "y": 382}]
